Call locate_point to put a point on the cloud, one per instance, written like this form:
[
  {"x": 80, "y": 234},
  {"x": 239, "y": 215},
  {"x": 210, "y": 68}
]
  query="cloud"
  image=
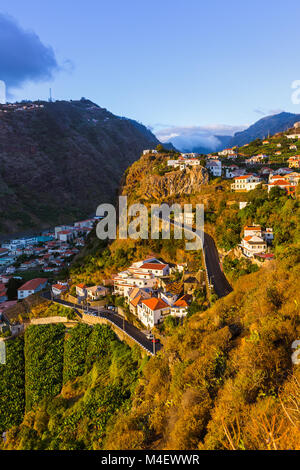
[
  {"x": 23, "y": 57},
  {"x": 267, "y": 112},
  {"x": 193, "y": 137}
]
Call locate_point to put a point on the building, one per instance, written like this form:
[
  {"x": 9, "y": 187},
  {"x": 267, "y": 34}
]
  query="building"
[
  {"x": 252, "y": 230},
  {"x": 58, "y": 289},
  {"x": 158, "y": 269},
  {"x": 31, "y": 287},
  {"x": 252, "y": 245},
  {"x": 169, "y": 297},
  {"x": 215, "y": 167},
  {"x": 268, "y": 234},
  {"x": 81, "y": 290},
  {"x": 294, "y": 162},
  {"x": 126, "y": 280},
  {"x": 135, "y": 297},
  {"x": 246, "y": 183},
  {"x": 180, "y": 307},
  {"x": 147, "y": 151},
  {"x": 96, "y": 292},
  {"x": 66, "y": 235},
  {"x": 256, "y": 159},
  {"x": 152, "y": 311},
  {"x": 282, "y": 183},
  {"x": 226, "y": 152}
]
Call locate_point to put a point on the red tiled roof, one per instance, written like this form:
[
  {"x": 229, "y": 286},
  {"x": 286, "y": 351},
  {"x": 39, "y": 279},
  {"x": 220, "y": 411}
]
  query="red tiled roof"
[
  {"x": 183, "y": 301},
  {"x": 244, "y": 177},
  {"x": 153, "y": 266},
  {"x": 154, "y": 303},
  {"x": 59, "y": 286},
  {"x": 33, "y": 284}
]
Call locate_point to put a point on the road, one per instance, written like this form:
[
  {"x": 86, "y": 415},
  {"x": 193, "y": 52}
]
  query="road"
[
  {"x": 130, "y": 330},
  {"x": 215, "y": 274}
]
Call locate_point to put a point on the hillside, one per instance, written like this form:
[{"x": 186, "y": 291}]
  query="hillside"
[
  {"x": 224, "y": 378},
  {"x": 60, "y": 161},
  {"x": 266, "y": 126}
]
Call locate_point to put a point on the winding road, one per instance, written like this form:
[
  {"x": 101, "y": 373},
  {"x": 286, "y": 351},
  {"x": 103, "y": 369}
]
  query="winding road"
[
  {"x": 216, "y": 277},
  {"x": 117, "y": 320}
]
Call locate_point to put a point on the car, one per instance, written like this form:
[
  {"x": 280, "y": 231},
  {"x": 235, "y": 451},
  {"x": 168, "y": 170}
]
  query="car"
[
  {"x": 154, "y": 340},
  {"x": 110, "y": 307},
  {"x": 149, "y": 336}
]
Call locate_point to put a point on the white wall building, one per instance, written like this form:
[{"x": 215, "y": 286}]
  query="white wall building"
[
  {"x": 215, "y": 167},
  {"x": 31, "y": 287},
  {"x": 152, "y": 311},
  {"x": 246, "y": 183}
]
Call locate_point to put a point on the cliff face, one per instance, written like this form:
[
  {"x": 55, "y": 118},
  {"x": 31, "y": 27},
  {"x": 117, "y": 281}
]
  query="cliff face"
[
  {"x": 143, "y": 183},
  {"x": 60, "y": 161}
]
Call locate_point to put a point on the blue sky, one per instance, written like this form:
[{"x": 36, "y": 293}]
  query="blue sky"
[{"x": 166, "y": 63}]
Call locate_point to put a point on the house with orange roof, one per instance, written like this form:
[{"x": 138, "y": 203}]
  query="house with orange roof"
[
  {"x": 180, "y": 307},
  {"x": 135, "y": 297},
  {"x": 81, "y": 290},
  {"x": 283, "y": 183},
  {"x": 253, "y": 244},
  {"x": 252, "y": 230},
  {"x": 58, "y": 289},
  {"x": 152, "y": 311},
  {"x": 294, "y": 162},
  {"x": 246, "y": 182}
]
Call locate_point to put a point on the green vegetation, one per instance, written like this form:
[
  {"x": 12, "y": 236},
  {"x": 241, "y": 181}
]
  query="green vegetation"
[
  {"x": 12, "y": 385},
  {"x": 235, "y": 267},
  {"x": 44, "y": 346},
  {"x": 103, "y": 378}
]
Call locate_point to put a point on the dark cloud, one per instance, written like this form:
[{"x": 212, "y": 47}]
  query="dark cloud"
[{"x": 23, "y": 57}]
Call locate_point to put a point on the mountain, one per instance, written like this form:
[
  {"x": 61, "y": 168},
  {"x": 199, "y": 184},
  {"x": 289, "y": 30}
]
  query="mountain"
[
  {"x": 60, "y": 160},
  {"x": 268, "y": 125}
]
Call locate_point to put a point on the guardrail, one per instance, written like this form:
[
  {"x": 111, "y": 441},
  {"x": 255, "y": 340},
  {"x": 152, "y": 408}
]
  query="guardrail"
[{"x": 61, "y": 302}]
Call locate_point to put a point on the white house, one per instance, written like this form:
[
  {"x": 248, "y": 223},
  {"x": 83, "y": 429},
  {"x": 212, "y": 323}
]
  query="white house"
[
  {"x": 96, "y": 292},
  {"x": 152, "y": 311},
  {"x": 158, "y": 269},
  {"x": 66, "y": 235},
  {"x": 126, "y": 280},
  {"x": 246, "y": 182},
  {"x": 180, "y": 307},
  {"x": 252, "y": 230},
  {"x": 252, "y": 245},
  {"x": 81, "y": 290},
  {"x": 31, "y": 287},
  {"x": 226, "y": 152},
  {"x": 215, "y": 167},
  {"x": 58, "y": 289}
]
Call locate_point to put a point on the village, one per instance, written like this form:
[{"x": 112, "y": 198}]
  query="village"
[{"x": 150, "y": 289}]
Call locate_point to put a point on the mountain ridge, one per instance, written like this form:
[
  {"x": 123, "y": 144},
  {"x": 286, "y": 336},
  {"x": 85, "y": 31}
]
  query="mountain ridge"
[{"x": 53, "y": 157}]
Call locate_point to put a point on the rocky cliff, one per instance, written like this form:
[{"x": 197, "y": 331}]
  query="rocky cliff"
[{"x": 144, "y": 181}]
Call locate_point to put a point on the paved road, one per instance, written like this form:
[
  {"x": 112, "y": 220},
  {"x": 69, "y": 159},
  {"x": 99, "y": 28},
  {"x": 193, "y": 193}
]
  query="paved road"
[
  {"x": 134, "y": 333},
  {"x": 215, "y": 274}
]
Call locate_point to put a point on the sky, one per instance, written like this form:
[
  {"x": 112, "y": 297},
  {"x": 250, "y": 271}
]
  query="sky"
[{"x": 177, "y": 66}]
